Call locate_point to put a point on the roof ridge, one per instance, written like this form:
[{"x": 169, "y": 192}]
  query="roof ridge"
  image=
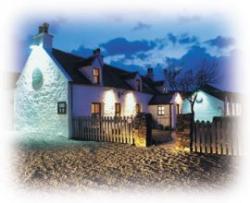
[{"x": 69, "y": 53}]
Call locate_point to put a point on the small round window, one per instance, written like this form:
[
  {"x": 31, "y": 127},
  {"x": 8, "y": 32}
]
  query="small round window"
[{"x": 37, "y": 79}]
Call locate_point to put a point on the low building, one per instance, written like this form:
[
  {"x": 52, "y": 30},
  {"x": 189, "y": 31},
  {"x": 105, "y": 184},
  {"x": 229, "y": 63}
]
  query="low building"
[
  {"x": 212, "y": 102},
  {"x": 165, "y": 108},
  {"x": 56, "y": 86}
]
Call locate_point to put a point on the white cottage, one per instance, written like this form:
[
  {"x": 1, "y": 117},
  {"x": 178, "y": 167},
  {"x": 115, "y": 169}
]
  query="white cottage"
[
  {"x": 212, "y": 102},
  {"x": 56, "y": 86}
]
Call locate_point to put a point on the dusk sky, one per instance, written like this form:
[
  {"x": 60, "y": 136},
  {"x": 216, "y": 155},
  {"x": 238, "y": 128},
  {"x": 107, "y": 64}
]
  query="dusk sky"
[{"x": 135, "y": 44}]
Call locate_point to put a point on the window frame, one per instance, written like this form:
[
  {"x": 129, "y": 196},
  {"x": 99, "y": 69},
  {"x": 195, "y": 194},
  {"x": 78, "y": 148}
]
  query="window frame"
[
  {"x": 137, "y": 108},
  {"x": 117, "y": 109},
  {"x": 96, "y": 75},
  {"x": 93, "y": 107},
  {"x": 60, "y": 109},
  {"x": 160, "y": 110}
]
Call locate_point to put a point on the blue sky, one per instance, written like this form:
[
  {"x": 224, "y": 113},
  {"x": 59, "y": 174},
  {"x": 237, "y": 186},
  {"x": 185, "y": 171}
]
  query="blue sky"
[{"x": 135, "y": 44}]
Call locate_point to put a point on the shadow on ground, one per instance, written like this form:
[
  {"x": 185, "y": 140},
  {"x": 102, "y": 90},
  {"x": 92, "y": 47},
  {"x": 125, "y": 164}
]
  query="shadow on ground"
[{"x": 162, "y": 137}]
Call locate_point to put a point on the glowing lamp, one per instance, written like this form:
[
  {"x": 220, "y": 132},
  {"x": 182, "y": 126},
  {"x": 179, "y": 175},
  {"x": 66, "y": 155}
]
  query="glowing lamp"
[
  {"x": 109, "y": 100},
  {"x": 130, "y": 104},
  {"x": 178, "y": 99}
]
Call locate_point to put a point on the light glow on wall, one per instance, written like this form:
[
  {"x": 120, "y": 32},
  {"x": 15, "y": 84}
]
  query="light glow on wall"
[
  {"x": 205, "y": 107},
  {"x": 130, "y": 105},
  {"x": 178, "y": 99},
  {"x": 109, "y": 100}
]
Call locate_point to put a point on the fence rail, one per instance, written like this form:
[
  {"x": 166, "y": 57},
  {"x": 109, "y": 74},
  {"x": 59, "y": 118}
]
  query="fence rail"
[
  {"x": 108, "y": 129},
  {"x": 218, "y": 137}
]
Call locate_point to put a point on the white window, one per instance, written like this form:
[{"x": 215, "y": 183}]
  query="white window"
[{"x": 160, "y": 110}]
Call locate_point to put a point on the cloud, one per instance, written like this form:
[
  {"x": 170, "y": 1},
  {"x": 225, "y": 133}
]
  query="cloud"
[
  {"x": 82, "y": 51},
  {"x": 187, "y": 39},
  {"x": 184, "y": 51},
  {"x": 121, "y": 45},
  {"x": 154, "y": 52},
  {"x": 194, "y": 57},
  {"x": 172, "y": 38},
  {"x": 220, "y": 42},
  {"x": 183, "y": 38},
  {"x": 141, "y": 26}
]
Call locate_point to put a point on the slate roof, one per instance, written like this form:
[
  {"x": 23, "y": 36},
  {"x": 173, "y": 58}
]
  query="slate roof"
[
  {"x": 161, "y": 99},
  {"x": 128, "y": 75},
  {"x": 221, "y": 94},
  {"x": 70, "y": 63},
  {"x": 112, "y": 76},
  {"x": 149, "y": 86},
  {"x": 158, "y": 83}
]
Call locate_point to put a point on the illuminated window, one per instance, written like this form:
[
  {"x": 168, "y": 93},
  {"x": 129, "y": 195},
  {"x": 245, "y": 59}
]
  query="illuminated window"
[
  {"x": 160, "y": 110},
  {"x": 138, "y": 84},
  {"x": 61, "y": 108},
  {"x": 96, "y": 109},
  {"x": 117, "y": 109},
  {"x": 137, "y": 108},
  {"x": 96, "y": 76}
]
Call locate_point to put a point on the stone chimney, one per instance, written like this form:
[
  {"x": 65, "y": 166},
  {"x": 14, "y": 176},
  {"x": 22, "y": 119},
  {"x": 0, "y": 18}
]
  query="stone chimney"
[
  {"x": 97, "y": 54},
  {"x": 43, "y": 38},
  {"x": 150, "y": 73}
]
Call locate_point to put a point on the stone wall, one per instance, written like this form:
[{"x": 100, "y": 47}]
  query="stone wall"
[
  {"x": 143, "y": 130},
  {"x": 184, "y": 122}
]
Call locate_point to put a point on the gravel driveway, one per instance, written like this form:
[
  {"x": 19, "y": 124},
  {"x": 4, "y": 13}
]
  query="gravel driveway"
[{"x": 93, "y": 165}]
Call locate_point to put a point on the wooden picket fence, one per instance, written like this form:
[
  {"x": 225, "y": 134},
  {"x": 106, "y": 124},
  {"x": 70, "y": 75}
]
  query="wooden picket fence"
[
  {"x": 107, "y": 129},
  {"x": 218, "y": 137}
]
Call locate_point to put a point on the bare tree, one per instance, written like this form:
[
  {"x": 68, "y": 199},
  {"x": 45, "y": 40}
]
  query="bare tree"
[
  {"x": 192, "y": 80},
  {"x": 205, "y": 74},
  {"x": 171, "y": 73}
]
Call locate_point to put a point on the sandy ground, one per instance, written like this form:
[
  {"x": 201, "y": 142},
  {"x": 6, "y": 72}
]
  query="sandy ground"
[{"x": 92, "y": 165}]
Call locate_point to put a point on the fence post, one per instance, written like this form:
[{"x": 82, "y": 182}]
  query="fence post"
[
  {"x": 143, "y": 129},
  {"x": 192, "y": 135}
]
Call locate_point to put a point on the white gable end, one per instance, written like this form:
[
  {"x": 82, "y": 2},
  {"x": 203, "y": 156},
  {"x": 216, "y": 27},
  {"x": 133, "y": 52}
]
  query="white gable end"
[{"x": 40, "y": 87}]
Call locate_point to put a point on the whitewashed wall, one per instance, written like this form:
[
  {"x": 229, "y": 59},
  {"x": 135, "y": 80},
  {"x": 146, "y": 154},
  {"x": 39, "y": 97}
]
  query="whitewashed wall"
[
  {"x": 36, "y": 109},
  {"x": 84, "y": 95},
  {"x": 207, "y": 109},
  {"x": 165, "y": 119}
]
